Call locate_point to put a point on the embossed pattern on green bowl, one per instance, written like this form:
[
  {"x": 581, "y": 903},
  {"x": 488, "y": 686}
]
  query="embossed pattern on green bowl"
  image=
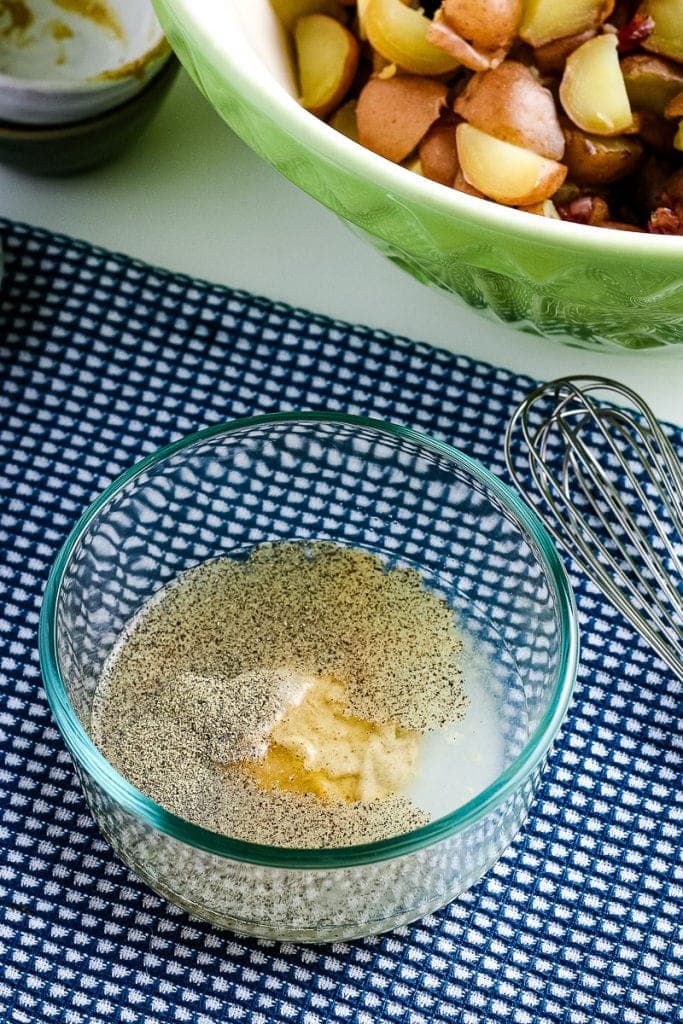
[{"x": 594, "y": 287}]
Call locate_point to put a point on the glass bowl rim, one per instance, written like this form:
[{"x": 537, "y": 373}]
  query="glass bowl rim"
[{"x": 89, "y": 759}]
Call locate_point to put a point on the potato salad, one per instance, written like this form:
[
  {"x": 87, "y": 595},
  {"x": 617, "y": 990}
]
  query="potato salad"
[{"x": 565, "y": 110}]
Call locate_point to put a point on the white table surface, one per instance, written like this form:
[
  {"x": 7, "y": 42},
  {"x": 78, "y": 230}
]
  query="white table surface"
[{"x": 191, "y": 197}]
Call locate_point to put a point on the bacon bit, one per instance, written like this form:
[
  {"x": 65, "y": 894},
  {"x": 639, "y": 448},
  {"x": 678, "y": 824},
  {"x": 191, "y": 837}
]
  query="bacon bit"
[
  {"x": 578, "y": 211},
  {"x": 631, "y": 35},
  {"x": 584, "y": 210},
  {"x": 663, "y": 221}
]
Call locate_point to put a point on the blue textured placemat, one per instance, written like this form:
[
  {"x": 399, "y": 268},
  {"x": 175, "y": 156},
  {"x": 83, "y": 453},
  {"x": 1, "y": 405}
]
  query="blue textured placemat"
[{"x": 105, "y": 359}]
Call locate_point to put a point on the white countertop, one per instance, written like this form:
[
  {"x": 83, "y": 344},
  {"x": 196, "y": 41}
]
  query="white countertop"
[{"x": 191, "y": 197}]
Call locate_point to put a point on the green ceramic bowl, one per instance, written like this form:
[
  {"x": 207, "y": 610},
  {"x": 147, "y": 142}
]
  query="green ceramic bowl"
[{"x": 597, "y": 287}]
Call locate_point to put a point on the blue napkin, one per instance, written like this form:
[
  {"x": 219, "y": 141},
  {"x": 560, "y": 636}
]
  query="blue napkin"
[{"x": 104, "y": 359}]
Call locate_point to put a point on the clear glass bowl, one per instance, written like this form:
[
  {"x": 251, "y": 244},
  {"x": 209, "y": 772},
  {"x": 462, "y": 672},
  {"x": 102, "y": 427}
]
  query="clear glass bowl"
[{"x": 413, "y": 500}]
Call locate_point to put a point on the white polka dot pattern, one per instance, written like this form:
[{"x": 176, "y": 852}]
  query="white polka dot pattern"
[{"x": 102, "y": 361}]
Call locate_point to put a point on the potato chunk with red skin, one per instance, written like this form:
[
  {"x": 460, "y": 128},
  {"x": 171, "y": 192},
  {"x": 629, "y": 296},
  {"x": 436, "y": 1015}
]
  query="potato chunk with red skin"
[
  {"x": 478, "y": 33},
  {"x": 486, "y": 24},
  {"x": 327, "y": 55},
  {"x": 597, "y": 160},
  {"x": 651, "y": 82},
  {"x": 666, "y": 37},
  {"x": 438, "y": 152},
  {"x": 444, "y": 37},
  {"x": 394, "y": 114},
  {"x": 592, "y": 90},
  {"x": 551, "y": 58},
  {"x": 546, "y": 20},
  {"x": 400, "y": 34},
  {"x": 509, "y": 174},
  {"x": 510, "y": 103}
]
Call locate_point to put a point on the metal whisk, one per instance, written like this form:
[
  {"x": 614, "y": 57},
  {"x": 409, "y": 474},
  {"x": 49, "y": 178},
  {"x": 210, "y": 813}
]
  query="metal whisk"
[{"x": 611, "y": 492}]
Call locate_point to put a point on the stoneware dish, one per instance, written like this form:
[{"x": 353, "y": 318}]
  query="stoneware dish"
[
  {"x": 63, "y": 61},
  {"x": 68, "y": 148},
  {"x": 412, "y": 500},
  {"x": 593, "y": 286}
]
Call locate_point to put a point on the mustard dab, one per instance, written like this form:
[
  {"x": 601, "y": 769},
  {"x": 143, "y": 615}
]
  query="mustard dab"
[{"x": 319, "y": 747}]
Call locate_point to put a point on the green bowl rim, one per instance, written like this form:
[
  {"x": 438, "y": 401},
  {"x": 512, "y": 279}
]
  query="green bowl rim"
[{"x": 91, "y": 761}]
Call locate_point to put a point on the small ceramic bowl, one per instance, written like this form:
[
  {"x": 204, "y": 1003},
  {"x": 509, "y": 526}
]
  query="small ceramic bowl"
[
  {"x": 416, "y": 503},
  {"x": 66, "y": 149},
  {"x": 63, "y": 61}
]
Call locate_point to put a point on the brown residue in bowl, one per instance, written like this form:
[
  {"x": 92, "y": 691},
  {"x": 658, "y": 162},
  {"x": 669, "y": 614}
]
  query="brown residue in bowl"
[
  {"x": 97, "y": 11},
  {"x": 60, "y": 30},
  {"x": 134, "y": 68},
  {"x": 15, "y": 17}
]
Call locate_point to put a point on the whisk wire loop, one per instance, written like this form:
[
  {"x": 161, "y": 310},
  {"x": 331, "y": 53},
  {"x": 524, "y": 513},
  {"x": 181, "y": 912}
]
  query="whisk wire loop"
[
  {"x": 603, "y": 497},
  {"x": 611, "y": 490},
  {"x": 585, "y": 546}
]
